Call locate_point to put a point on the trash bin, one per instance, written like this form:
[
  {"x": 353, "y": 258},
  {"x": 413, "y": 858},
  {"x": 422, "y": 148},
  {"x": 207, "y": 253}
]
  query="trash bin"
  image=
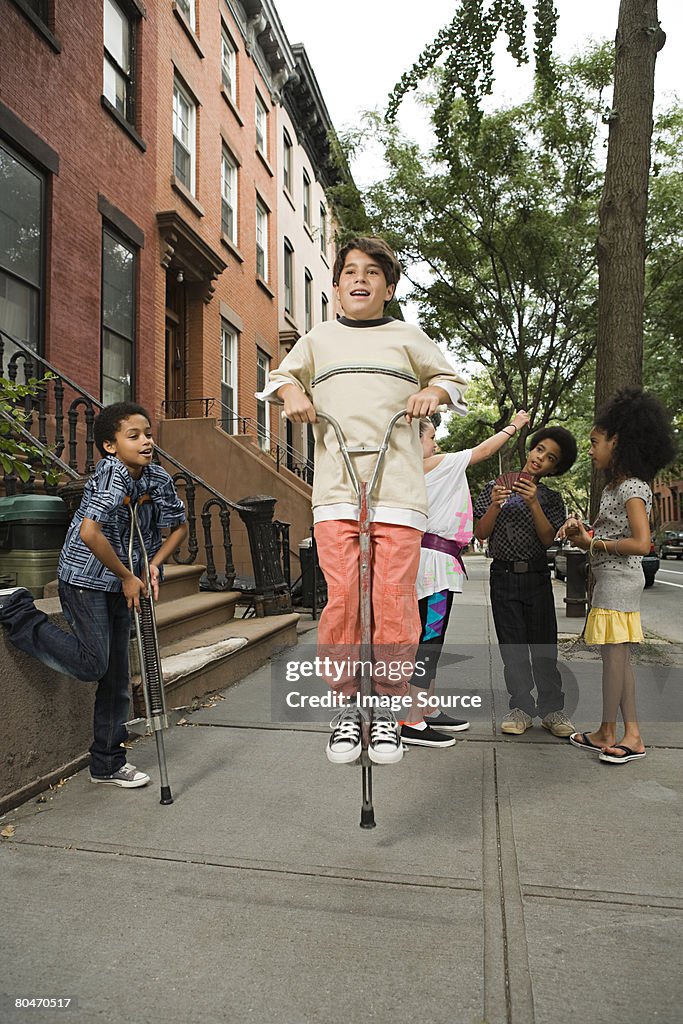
[{"x": 32, "y": 531}]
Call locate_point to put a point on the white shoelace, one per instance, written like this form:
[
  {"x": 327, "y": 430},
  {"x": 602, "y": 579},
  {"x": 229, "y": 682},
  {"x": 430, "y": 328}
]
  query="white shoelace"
[
  {"x": 384, "y": 729},
  {"x": 346, "y": 726}
]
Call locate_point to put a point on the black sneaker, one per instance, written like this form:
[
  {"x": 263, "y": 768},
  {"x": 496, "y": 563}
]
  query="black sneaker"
[
  {"x": 446, "y": 723},
  {"x": 425, "y": 737}
]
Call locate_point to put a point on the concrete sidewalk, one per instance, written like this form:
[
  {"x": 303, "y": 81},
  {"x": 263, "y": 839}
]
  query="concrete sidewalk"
[{"x": 508, "y": 881}]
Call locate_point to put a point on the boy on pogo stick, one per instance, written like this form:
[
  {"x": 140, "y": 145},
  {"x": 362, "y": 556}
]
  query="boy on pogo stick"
[{"x": 362, "y": 369}]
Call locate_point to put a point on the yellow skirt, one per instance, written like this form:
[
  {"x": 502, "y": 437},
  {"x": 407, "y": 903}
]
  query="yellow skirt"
[{"x": 604, "y": 626}]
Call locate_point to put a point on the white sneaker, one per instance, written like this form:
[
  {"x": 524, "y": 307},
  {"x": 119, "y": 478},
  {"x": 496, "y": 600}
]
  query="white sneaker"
[
  {"x": 128, "y": 777},
  {"x": 516, "y": 722},
  {"x": 385, "y": 745},
  {"x": 558, "y": 724},
  {"x": 344, "y": 744}
]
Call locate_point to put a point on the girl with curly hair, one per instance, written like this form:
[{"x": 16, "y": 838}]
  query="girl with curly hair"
[{"x": 631, "y": 441}]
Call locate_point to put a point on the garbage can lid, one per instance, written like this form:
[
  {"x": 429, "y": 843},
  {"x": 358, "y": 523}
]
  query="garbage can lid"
[{"x": 33, "y": 508}]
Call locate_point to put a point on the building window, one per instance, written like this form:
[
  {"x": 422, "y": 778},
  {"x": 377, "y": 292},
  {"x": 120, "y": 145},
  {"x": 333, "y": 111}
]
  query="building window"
[
  {"x": 187, "y": 7},
  {"x": 184, "y": 136},
  {"x": 323, "y": 229},
  {"x": 119, "y": 39},
  {"x": 229, "y": 196},
  {"x": 261, "y": 126},
  {"x": 262, "y": 371},
  {"x": 308, "y": 300},
  {"x": 22, "y": 192},
  {"x": 324, "y": 307},
  {"x": 261, "y": 240},
  {"x": 229, "y": 65},
  {"x": 289, "y": 277},
  {"x": 307, "y": 199},
  {"x": 228, "y": 379},
  {"x": 118, "y": 318},
  {"x": 287, "y": 150}
]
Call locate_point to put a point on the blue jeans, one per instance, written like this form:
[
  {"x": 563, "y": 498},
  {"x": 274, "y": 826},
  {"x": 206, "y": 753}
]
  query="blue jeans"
[{"x": 97, "y": 649}]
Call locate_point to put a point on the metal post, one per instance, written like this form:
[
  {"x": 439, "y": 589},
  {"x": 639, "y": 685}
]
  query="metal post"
[{"x": 575, "y": 599}]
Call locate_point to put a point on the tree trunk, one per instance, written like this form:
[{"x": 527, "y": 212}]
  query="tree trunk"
[{"x": 623, "y": 206}]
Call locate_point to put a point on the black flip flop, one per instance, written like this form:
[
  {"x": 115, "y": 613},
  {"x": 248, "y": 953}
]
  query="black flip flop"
[
  {"x": 586, "y": 745},
  {"x": 629, "y": 755}
]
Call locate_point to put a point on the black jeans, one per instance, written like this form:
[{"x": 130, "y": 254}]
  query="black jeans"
[
  {"x": 96, "y": 650},
  {"x": 435, "y": 613},
  {"x": 526, "y": 627}
]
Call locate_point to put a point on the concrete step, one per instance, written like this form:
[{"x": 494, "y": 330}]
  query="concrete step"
[
  {"x": 180, "y": 581},
  {"x": 184, "y": 616},
  {"x": 265, "y": 637}
]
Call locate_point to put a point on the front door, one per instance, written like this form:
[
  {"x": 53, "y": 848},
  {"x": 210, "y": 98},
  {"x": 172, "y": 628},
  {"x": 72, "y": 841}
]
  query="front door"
[{"x": 176, "y": 360}]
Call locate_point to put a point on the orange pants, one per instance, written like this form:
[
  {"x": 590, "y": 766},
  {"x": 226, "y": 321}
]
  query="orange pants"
[{"x": 394, "y": 560}]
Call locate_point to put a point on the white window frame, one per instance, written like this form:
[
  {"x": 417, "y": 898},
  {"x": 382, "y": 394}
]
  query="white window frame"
[
  {"x": 228, "y": 64},
  {"x": 324, "y": 307},
  {"x": 261, "y": 126},
  {"x": 189, "y": 144},
  {"x": 121, "y": 73},
  {"x": 262, "y": 238},
  {"x": 229, "y": 192},
  {"x": 229, "y": 377},
  {"x": 188, "y": 9},
  {"x": 262, "y": 408}
]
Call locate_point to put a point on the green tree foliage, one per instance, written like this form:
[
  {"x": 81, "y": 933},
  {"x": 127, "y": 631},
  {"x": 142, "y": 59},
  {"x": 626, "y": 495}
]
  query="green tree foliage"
[
  {"x": 497, "y": 232},
  {"x": 17, "y": 455},
  {"x": 464, "y": 49},
  {"x": 663, "y": 343}
]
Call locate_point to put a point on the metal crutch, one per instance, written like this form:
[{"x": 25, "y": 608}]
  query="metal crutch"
[
  {"x": 156, "y": 717},
  {"x": 364, "y": 491}
]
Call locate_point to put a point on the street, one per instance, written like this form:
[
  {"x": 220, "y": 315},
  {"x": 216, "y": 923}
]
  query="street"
[{"x": 661, "y": 605}]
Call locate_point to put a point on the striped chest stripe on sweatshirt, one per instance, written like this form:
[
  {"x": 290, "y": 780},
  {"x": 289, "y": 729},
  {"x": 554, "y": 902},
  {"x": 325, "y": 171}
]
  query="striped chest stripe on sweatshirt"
[{"x": 388, "y": 371}]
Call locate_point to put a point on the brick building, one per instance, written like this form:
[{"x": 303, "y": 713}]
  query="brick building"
[{"x": 142, "y": 196}]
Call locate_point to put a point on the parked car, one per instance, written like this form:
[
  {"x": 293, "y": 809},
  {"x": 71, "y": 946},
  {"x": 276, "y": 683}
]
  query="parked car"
[
  {"x": 650, "y": 566},
  {"x": 671, "y": 543}
]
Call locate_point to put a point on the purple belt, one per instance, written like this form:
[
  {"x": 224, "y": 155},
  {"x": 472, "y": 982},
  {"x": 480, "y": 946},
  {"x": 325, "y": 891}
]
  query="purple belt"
[{"x": 449, "y": 547}]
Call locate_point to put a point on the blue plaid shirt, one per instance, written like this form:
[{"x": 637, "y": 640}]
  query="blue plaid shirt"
[{"x": 103, "y": 501}]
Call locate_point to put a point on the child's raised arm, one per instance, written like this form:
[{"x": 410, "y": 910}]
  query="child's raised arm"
[{"x": 494, "y": 443}]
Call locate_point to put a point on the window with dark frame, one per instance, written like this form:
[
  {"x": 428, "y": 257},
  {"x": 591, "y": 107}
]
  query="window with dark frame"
[
  {"x": 323, "y": 229},
  {"x": 262, "y": 370},
  {"x": 120, "y": 30},
  {"x": 229, "y": 195},
  {"x": 287, "y": 150},
  {"x": 22, "y": 205},
  {"x": 324, "y": 307},
  {"x": 307, "y": 198},
  {"x": 289, "y": 276},
  {"x": 119, "y": 266},
  {"x": 308, "y": 300}
]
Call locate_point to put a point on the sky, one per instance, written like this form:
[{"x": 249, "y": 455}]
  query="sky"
[{"x": 359, "y": 52}]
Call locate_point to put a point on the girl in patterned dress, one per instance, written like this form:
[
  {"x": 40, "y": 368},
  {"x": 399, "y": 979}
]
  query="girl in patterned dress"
[{"x": 631, "y": 441}]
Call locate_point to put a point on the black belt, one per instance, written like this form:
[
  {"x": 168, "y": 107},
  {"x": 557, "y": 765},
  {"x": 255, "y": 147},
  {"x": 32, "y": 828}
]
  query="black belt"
[{"x": 533, "y": 565}]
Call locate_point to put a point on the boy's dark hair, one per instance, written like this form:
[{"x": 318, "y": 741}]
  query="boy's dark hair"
[
  {"x": 645, "y": 442},
  {"x": 380, "y": 251},
  {"x": 564, "y": 440},
  {"x": 110, "y": 419}
]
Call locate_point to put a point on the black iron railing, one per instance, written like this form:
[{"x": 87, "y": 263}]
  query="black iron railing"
[{"x": 62, "y": 404}]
